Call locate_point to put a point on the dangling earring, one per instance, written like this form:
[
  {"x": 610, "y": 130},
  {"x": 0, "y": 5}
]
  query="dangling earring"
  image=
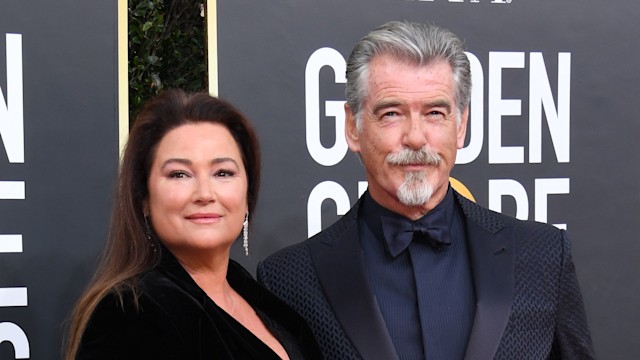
[
  {"x": 245, "y": 234},
  {"x": 147, "y": 233}
]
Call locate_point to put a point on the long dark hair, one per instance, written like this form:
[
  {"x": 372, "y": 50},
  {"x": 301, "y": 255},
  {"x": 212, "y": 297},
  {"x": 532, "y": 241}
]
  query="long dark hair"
[{"x": 128, "y": 252}]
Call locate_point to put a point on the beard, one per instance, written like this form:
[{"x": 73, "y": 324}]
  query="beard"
[{"x": 415, "y": 189}]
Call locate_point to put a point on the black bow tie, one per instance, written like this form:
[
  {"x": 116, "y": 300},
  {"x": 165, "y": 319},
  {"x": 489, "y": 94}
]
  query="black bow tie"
[{"x": 432, "y": 229}]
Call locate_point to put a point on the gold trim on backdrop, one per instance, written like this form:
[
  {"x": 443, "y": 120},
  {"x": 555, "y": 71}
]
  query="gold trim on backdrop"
[
  {"x": 123, "y": 74},
  {"x": 212, "y": 47},
  {"x": 461, "y": 188}
]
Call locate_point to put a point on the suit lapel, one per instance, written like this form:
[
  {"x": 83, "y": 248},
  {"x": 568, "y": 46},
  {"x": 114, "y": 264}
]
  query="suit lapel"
[
  {"x": 492, "y": 250},
  {"x": 339, "y": 264}
]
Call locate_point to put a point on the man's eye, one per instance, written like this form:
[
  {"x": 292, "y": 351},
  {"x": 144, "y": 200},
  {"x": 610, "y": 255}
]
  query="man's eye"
[
  {"x": 436, "y": 115},
  {"x": 390, "y": 114}
]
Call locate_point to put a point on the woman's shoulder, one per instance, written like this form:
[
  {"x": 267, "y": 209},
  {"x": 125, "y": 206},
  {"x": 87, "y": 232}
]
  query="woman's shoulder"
[
  {"x": 150, "y": 298},
  {"x": 129, "y": 321},
  {"x": 128, "y": 302}
]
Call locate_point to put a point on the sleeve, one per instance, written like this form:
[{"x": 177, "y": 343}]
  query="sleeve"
[
  {"x": 572, "y": 338},
  {"x": 120, "y": 330},
  {"x": 262, "y": 276}
]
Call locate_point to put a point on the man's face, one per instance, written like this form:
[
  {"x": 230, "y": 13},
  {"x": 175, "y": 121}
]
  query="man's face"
[{"x": 409, "y": 134}]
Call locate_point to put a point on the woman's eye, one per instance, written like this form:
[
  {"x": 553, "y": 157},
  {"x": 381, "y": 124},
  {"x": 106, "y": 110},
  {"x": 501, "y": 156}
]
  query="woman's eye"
[
  {"x": 178, "y": 175},
  {"x": 224, "y": 173}
]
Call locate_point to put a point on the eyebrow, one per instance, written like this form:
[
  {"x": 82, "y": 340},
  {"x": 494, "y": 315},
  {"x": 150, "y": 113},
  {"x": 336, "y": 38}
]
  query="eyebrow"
[
  {"x": 189, "y": 162},
  {"x": 439, "y": 103},
  {"x": 384, "y": 104}
]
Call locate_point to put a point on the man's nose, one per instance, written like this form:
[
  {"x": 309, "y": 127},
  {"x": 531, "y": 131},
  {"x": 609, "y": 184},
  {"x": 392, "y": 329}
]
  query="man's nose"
[{"x": 415, "y": 136}]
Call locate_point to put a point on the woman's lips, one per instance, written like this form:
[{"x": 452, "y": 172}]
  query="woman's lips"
[{"x": 204, "y": 218}]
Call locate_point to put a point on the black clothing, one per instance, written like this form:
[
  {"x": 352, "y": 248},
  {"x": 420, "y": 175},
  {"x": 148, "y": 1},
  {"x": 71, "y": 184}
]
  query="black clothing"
[{"x": 175, "y": 319}]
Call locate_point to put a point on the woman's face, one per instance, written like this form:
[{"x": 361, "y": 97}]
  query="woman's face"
[{"x": 197, "y": 190}]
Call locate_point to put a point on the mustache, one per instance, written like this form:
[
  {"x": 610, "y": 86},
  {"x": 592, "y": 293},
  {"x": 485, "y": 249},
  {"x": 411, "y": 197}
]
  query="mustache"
[{"x": 422, "y": 156}]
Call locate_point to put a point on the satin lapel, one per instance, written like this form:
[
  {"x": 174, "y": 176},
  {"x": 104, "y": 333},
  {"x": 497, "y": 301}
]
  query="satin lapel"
[
  {"x": 492, "y": 260},
  {"x": 339, "y": 264}
]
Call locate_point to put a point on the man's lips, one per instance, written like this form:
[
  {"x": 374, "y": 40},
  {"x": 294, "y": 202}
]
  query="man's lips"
[{"x": 414, "y": 167}]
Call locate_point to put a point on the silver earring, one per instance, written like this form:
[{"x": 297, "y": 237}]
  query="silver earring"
[
  {"x": 147, "y": 233},
  {"x": 245, "y": 234}
]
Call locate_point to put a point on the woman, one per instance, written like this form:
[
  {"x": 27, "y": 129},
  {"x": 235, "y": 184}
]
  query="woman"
[{"x": 166, "y": 288}]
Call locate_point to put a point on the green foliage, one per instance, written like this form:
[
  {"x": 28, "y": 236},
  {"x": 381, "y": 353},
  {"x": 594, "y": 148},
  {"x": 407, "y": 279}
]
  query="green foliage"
[{"x": 166, "y": 48}]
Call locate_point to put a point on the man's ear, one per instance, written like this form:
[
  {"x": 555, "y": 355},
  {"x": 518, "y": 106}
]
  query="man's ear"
[
  {"x": 350, "y": 129},
  {"x": 462, "y": 128}
]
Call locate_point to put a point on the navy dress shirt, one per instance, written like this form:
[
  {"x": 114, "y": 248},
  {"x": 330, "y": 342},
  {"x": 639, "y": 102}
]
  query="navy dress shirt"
[{"x": 426, "y": 296}]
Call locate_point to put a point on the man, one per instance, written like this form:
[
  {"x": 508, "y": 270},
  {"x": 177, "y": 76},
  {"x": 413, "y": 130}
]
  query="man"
[{"x": 414, "y": 270}]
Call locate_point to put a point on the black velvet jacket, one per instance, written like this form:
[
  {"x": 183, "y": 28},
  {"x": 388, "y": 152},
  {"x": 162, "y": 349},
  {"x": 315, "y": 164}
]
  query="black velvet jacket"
[{"x": 177, "y": 320}]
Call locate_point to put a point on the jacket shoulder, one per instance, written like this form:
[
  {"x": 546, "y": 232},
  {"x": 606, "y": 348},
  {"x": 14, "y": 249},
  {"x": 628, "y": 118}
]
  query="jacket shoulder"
[
  {"x": 302, "y": 249},
  {"x": 493, "y": 222}
]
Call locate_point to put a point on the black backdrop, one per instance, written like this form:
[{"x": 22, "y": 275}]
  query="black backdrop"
[
  {"x": 554, "y": 114},
  {"x": 553, "y": 137},
  {"x": 70, "y": 137}
]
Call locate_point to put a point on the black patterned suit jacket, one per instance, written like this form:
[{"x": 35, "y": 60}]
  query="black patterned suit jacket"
[{"x": 528, "y": 307}]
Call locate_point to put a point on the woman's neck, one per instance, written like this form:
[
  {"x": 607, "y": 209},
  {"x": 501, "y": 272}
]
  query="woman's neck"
[{"x": 210, "y": 274}]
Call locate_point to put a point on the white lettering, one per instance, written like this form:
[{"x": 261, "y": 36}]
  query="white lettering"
[
  {"x": 499, "y": 107},
  {"x": 362, "y": 187},
  {"x": 10, "y": 297},
  {"x": 540, "y": 96},
  {"x": 12, "y": 135},
  {"x": 12, "y": 190},
  {"x": 545, "y": 187},
  {"x": 323, "y": 191},
  {"x": 15, "y": 335},
  {"x": 506, "y": 187},
  {"x": 320, "y": 58},
  {"x": 11, "y": 112},
  {"x": 476, "y": 114},
  {"x": 541, "y": 103},
  {"x": 10, "y": 244}
]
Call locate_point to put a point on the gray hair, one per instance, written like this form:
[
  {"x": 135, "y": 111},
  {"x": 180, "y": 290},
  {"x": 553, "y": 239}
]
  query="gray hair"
[{"x": 413, "y": 43}]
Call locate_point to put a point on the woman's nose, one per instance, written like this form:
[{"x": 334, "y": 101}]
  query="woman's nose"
[{"x": 204, "y": 190}]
